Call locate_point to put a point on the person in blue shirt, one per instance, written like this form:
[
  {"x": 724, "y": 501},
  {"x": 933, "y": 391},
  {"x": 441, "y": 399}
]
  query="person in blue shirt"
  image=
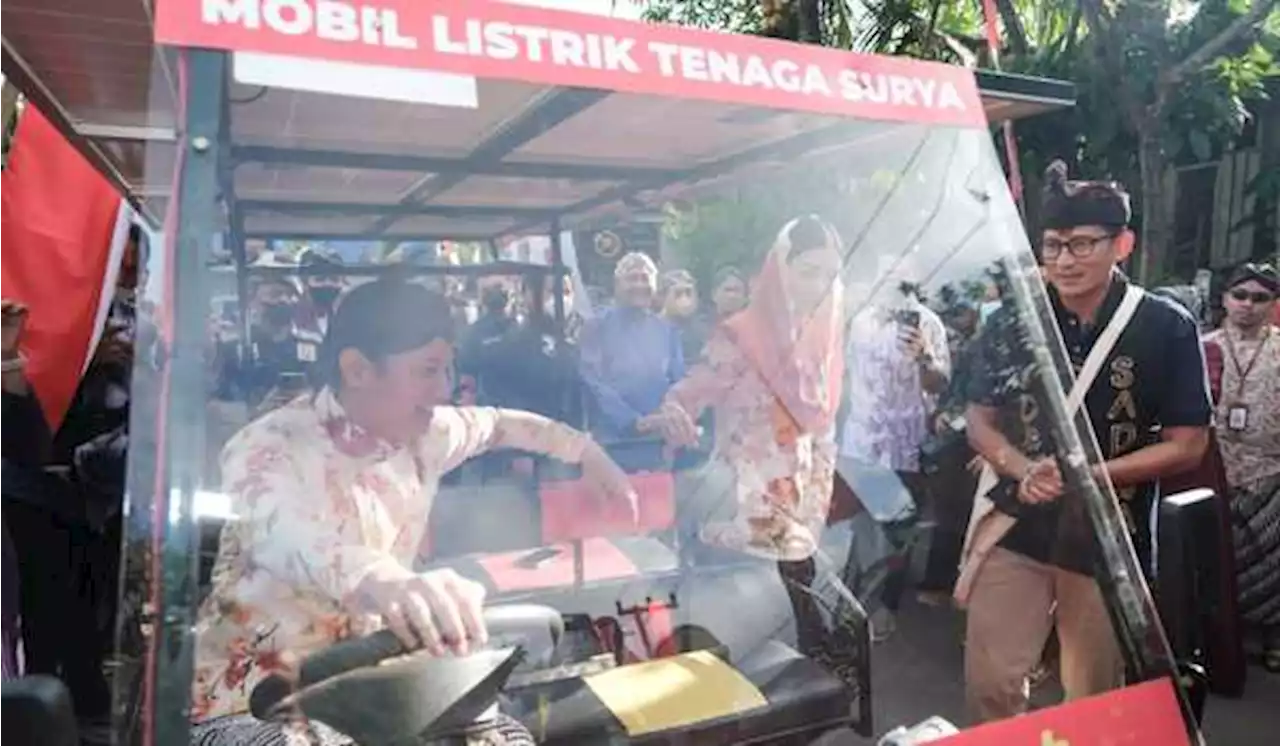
[{"x": 630, "y": 356}]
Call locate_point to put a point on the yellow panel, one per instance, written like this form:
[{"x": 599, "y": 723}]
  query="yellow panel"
[{"x": 674, "y": 692}]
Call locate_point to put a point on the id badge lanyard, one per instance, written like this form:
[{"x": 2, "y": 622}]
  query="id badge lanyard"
[{"x": 1237, "y": 410}]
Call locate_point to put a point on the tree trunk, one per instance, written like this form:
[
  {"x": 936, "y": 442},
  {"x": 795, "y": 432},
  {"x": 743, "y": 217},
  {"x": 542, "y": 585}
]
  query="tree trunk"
[
  {"x": 1013, "y": 29},
  {"x": 794, "y": 20},
  {"x": 809, "y": 21},
  {"x": 1156, "y": 240}
]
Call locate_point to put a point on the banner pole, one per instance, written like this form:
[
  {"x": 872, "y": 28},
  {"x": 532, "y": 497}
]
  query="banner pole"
[{"x": 990, "y": 16}]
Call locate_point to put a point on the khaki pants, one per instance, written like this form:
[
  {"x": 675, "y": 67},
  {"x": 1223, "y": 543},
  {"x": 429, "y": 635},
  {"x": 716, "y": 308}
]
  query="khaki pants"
[{"x": 1015, "y": 603}]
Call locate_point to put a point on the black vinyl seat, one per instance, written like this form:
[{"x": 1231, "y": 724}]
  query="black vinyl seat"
[{"x": 37, "y": 710}]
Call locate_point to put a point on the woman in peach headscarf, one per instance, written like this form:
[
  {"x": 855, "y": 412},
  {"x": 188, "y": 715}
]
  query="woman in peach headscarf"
[{"x": 771, "y": 375}]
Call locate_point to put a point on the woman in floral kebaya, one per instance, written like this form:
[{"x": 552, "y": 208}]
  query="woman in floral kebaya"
[
  {"x": 333, "y": 493},
  {"x": 772, "y": 375}
]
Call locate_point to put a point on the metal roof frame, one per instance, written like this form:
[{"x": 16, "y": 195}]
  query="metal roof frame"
[{"x": 38, "y": 35}]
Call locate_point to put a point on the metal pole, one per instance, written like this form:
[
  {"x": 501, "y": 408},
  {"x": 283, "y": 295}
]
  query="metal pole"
[
  {"x": 566, "y": 390},
  {"x": 239, "y": 255},
  {"x": 557, "y": 266},
  {"x": 181, "y": 447}
]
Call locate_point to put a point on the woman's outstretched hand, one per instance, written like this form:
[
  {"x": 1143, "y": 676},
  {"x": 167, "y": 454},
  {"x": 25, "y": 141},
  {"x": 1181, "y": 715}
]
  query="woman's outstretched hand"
[
  {"x": 674, "y": 424},
  {"x": 437, "y": 610},
  {"x": 608, "y": 478}
]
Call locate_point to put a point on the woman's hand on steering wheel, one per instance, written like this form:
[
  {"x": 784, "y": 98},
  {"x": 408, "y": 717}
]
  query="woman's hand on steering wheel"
[
  {"x": 608, "y": 478},
  {"x": 437, "y": 610}
]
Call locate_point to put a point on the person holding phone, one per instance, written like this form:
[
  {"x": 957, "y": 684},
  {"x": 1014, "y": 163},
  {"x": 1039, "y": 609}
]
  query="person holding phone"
[
  {"x": 267, "y": 369},
  {"x": 899, "y": 363}
]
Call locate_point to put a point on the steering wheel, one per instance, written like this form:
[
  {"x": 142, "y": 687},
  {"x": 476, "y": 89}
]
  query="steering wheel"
[{"x": 376, "y": 691}]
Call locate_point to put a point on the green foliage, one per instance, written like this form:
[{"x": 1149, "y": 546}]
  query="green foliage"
[
  {"x": 1119, "y": 53},
  {"x": 737, "y": 16},
  {"x": 735, "y": 228}
]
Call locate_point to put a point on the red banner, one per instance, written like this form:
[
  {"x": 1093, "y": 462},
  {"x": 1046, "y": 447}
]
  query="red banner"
[
  {"x": 1140, "y": 715},
  {"x": 497, "y": 40},
  {"x": 62, "y": 231}
]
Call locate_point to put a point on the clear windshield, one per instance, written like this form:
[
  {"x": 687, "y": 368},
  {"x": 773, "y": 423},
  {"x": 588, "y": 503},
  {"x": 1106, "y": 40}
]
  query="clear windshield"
[{"x": 688, "y": 384}]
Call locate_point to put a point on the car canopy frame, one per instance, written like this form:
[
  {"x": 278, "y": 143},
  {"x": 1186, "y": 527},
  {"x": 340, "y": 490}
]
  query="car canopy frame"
[{"x": 239, "y": 178}]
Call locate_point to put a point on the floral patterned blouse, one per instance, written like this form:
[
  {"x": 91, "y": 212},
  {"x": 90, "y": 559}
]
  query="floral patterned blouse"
[
  {"x": 320, "y": 503},
  {"x": 889, "y": 409},
  {"x": 782, "y": 476}
]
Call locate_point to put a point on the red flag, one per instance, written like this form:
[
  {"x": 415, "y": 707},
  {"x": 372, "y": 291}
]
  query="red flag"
[{"x": 62, "y": 222}]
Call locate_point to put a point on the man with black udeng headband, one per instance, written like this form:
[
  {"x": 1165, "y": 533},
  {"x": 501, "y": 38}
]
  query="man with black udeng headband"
[{"x": 1040, "y": 574}]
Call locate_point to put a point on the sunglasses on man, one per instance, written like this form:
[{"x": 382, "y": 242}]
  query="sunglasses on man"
[{"x": 1260, "y": 297}]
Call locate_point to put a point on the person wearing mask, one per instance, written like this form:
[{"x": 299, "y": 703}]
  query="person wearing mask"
[
  {"x": 334, "y": 493},
  {"x": 630, "y": 356},
  {"x": 25, "y": 450},
  {"x": 1248, "y": 416},
  {"x": 534, "y": 362},
  {"x": 274, "y": 364},
  {"x": 1031, "y": 552},
  {"x": 771, "y": 376},
  {"x": 322, "y": 287},
  {"x": 680, "y": 307},
  {"x": 477, "y": 353},
  {"x": 728, "y": 292}
]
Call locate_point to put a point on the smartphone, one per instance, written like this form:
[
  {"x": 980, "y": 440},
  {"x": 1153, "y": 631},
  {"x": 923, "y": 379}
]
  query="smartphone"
[{"x": 909, "y": 318}]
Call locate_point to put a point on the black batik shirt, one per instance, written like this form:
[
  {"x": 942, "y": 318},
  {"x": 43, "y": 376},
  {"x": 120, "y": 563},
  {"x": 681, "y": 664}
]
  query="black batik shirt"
[{"x": 1153, "y": 377}]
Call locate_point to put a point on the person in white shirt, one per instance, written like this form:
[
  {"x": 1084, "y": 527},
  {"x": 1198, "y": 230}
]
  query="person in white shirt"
[{"x": 899, "y": 363}]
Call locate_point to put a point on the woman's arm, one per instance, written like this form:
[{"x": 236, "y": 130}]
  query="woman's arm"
[
  {"x": 465, "y": 432},
  {"x": 721, "y": 367}
]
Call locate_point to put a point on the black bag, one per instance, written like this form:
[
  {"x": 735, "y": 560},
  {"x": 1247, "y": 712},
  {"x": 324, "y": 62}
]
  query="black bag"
[{"x": 943, "y": 449}]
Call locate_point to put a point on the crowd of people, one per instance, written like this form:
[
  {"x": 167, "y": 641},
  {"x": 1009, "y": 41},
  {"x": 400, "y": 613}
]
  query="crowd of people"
[
  {"x": 64, "y": 493},
  {"x": 794, "y": 400}
]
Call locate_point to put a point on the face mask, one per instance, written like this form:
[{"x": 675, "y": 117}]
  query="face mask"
[
  {"x": 277, "y": 314},
  {"x": 325, "y": 296},
  {"x": 681, "y": 304}
]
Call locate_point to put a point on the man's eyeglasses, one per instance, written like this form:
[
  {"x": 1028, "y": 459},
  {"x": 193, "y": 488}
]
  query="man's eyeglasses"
[
  {"x": 1243, "y": 295},
  {"x": 1080, "y": 247}
]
